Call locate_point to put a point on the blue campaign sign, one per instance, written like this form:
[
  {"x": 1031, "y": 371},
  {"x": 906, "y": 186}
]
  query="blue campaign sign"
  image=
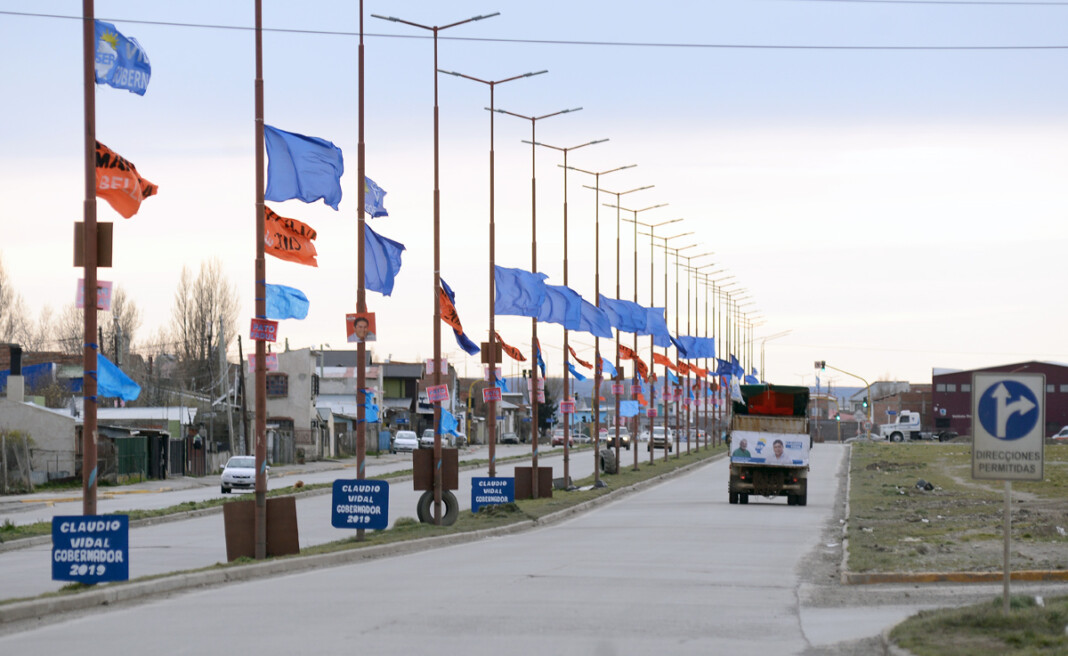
[
  {"x": 1008, "y": 410},
  {"x": 360, "y": 503},
  {"x": 91, "y": 548},
  {"x": 491, "y": 492}
]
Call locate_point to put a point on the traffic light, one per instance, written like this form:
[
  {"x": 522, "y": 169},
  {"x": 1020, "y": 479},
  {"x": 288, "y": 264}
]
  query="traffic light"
[
  {"x": 821, "y": 365},
  {"x": 837, "y": 416},
  {"x": 865, "y": 403}
]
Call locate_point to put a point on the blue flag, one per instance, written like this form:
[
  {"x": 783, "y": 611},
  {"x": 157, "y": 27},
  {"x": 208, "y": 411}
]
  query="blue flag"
[
  {"x": 656, "y": 325},
  {"x": 629, "y": 408},
  {"x": 562, "y": 305},
  {"x": 736, "y": 368},
  {"x": 518, "y": 292},
  {"x": 541, "y": 363},
  {"x": 112, "y": 382},
  {"x": 576, "y": 374},
  {"x": 697, "y": 347},
  {"x": 286, "y": 302},
  {"x": 374, "y": 198},
  {"x": 448, "y": 423},
  {"x": 502, "y": 383},
  {"x": 672, "y": 378},
  {"x": 678, "y": 347},
  {"x": 594, "y": 321},
  {"x": 382, "y": 261},
  {"x": 121, "y": 62},
  {"x": 626, "y": 316},
  {"x": 308, "y": 168},
  {"x": 608, "y": 368}
]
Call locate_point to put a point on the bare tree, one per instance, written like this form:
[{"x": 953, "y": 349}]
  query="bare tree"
[
  {"x": 15, "y": 323},
  {"x": 199, "y": 307}
]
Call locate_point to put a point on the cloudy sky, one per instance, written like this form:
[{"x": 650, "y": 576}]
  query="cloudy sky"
[{"x": 885, "y": 180}]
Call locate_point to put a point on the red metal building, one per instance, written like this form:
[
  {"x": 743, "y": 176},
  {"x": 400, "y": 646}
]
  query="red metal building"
[{"x": 952, "y": 396}]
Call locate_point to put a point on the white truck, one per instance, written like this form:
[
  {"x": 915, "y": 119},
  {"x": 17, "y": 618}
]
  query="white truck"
[
  {"x": 769, "y": 444},
  {"x": 909, "y": 425}
]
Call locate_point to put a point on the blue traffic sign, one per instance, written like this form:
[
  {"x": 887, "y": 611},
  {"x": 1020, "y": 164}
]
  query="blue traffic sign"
[
  {"x": 91, "y": 548},
  {"x": 360, "y": 503},
  {"x": 1008, "y": 410},
  {"x": 487, "y": 491}
]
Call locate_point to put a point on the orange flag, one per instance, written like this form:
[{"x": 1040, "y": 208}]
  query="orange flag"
[
  {"x": 639, "y": 364},
  {"x": 664, "y": 360},
  {"x": 579, "y": 360},
  {"x": 698, "y": 370},
  {"x": 118, "y": 182},
  {"x": 448, "y": 311},
  {"x": 512, "y": 351},
  {"x": 288, "y": 239},
  {"x": 683, "y": 367}
]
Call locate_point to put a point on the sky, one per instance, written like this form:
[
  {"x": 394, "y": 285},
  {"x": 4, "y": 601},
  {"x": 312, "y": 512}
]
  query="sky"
[{"x": 884, "y": 180}]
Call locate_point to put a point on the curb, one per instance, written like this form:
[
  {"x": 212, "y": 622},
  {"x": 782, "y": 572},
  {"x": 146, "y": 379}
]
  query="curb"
[{"x": 37, "y": 609}]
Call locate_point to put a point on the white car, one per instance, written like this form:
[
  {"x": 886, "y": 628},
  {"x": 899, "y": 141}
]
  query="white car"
[
  {"x": 239, "y": 472},
  {"x": 426, "y": 440},
  {"x": 1061, "y": 435},
  {"x": 405, "y": 440}
]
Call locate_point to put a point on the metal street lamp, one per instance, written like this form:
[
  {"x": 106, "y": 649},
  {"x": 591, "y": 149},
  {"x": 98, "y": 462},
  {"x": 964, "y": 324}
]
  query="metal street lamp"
[
  {"x": 597, "y": 373},
  {"x": 534, "y": 269},
  {"x": 437, "y": 248},
  {"x": 567, "y": 372},
  {"x": 491, "y": 426},
  {"x": 686, "y": 401},
  {"x": 652, "y": 389}
]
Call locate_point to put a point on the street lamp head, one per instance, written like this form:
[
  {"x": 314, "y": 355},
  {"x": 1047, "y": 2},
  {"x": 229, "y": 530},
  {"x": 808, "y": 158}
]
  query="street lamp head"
[
  {"x": 618, "y": 168},
  {"x": 664, "y": 223},
  {"x": 681, "y": 234}
]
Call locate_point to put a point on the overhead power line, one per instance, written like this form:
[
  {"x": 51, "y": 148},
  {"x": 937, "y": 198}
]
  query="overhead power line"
[{"x": 567, "y": 42}]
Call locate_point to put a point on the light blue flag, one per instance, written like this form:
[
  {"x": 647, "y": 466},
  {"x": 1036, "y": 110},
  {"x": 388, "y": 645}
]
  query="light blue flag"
[
  {"x": 594, "y": 321},
  {"x": 576, "y": 374},
  {"x": 113, "y": 383},
  {"x": 751, "y": 380},
  {"x": 308, "y": 168},
  {"x": 382, "y": 261},
  {"x": 374, "y": 198},
  {"x": 626, "y": 316},
  {"x": 286, "y": 302},
  {"x": 448, "y": 423},
  {"x": 672, "y": 378},
  {"x": 562, "y": 305},
  {"x": 629, "y": 408},
  {"x": 502, "y": 383},
  {"x": 518, "y": 292},
  {"x": 608, "y": 368},
  {"x": 370, "y": 413},
  {"x": 121, "y": 62}
]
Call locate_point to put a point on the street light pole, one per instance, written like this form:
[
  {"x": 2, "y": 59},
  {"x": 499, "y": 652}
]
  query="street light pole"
[
  {"x": 437, "y": 250},
  {"x": 652, "y": 388},
  {"x": 491, "y": 406},
  {"x": 686, "y": 401},
  {"x": 534, "y": 269},
  {"x": 597, "y": 372},
  {"x": 567, "y": 371}
]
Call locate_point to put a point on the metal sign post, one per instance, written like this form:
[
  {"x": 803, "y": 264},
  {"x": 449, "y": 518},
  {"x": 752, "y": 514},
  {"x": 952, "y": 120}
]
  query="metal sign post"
[{"x": 1008, "y": 419}]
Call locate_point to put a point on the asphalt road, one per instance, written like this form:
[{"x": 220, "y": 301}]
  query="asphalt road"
[
  {"x": 672, "y": 568},
  {"x": 200, "y": 542}
]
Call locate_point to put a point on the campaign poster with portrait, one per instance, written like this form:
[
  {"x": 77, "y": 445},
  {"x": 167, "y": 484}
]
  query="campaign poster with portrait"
[
  {"x": 757, "y": 447},
  {"x": 360, "y": 327}
]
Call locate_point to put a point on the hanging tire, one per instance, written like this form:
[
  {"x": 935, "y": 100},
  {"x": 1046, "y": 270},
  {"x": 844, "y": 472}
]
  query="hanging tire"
[{"x": 424, "y": 509}]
